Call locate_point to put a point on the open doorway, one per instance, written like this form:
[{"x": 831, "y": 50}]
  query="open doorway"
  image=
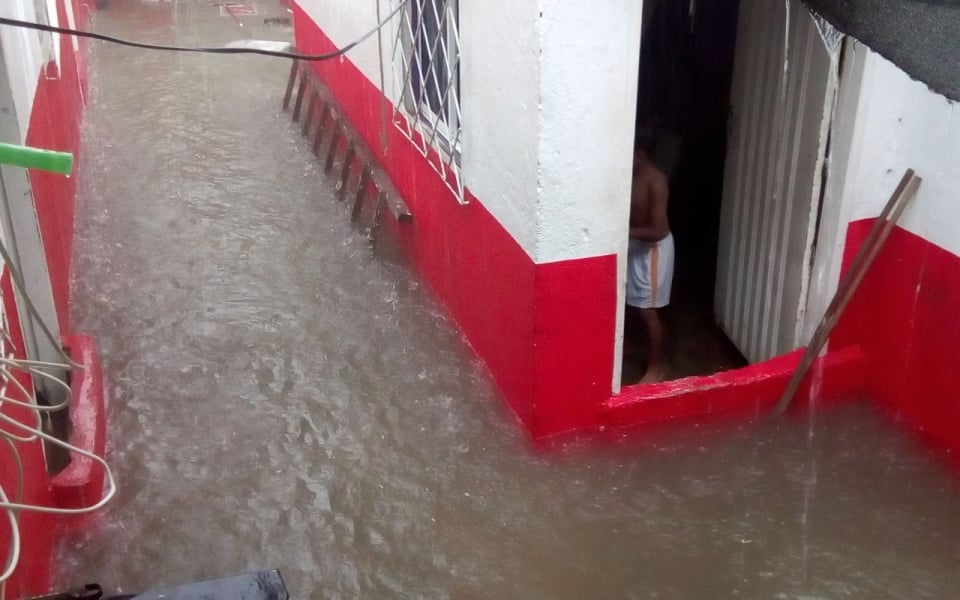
[{"x": 686, "y": 68}]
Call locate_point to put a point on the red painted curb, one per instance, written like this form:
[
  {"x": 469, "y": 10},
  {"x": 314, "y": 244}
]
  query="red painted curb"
[
  {"x": 751, "y": 391},
  {"x": 81, "y": 483}
]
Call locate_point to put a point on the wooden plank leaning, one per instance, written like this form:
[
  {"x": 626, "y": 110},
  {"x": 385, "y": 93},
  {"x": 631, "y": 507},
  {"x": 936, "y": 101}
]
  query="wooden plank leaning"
[{"x": 867, "y": 252}]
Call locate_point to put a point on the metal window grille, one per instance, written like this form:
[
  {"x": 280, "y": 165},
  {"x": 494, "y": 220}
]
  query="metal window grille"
[{"x": 426, "y": 67}]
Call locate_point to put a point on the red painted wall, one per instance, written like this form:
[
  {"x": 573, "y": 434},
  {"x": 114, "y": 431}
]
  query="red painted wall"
[
  {"x": 55, "y": 125},
  {"x": 33, "y": 575},
  {"x": 546, "y": 332},
  {"x": 904, "y": 316},
  {"x": 575, "y": 320},
  {"x": 80, "y": 484}
]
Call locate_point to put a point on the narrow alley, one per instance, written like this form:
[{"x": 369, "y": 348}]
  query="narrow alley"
[{"x": 281, "y": 395}]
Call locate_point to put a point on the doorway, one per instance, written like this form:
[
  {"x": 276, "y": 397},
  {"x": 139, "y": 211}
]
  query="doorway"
[
  {"x": 738, "y": 96},
  {"x": 686, "y": 68}
]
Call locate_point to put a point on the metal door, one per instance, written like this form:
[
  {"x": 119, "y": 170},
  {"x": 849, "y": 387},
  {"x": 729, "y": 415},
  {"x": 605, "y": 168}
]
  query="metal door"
[{"x": 784, "y": 84}]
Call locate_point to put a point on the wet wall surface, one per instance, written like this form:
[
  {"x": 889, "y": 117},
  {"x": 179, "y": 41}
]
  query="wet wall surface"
[{"x": 281, "y": 396}]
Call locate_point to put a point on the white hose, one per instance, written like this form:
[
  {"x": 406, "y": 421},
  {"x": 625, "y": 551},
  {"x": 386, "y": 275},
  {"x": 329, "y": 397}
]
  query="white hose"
[{"x": 32, "y": 434}]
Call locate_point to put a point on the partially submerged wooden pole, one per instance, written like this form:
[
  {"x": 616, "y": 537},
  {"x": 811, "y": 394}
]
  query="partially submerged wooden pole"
[
  {"x": 348, "y": 157},
  {"x": 309, "y": 97},
  {"x": 311, "y": 107},
  {"x": 321, "y": 126},
  {"x": 338, "y": 132},
  {"x": 868, "y": 251},
  {"x": 294, "y": 69},
  {"x": 301, "y": 89},
  {"x": 361, "y": 192}
]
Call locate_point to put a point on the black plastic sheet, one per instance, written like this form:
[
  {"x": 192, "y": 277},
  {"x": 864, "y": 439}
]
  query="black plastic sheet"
[{"x": 922, "y": 37}]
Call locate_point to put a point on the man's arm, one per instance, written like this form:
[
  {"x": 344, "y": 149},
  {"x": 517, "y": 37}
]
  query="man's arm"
[{"x": 659, "y": 226}]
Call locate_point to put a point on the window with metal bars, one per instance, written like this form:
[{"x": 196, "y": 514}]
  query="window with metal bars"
[{"x": 426, "y": 61}]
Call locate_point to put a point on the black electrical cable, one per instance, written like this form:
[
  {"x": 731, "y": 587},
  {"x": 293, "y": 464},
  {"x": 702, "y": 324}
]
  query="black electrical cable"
[{"x": 203, "y": 50}]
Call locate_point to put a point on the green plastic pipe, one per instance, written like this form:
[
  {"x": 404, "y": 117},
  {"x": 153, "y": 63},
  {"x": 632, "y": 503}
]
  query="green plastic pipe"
[{"x": 36, "y": 158}]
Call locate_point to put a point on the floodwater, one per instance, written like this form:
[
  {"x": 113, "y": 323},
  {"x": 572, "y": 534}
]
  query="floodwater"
[{"x": 281, "y": 396}]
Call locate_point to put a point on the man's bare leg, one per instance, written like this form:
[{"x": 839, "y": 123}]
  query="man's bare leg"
[
  {"x": 631, "y": 327},
  {"x": 651, "y": 319}
]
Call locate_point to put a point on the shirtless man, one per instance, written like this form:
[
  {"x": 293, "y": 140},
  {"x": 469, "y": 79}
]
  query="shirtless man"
[{"x": 650, "y": 256}]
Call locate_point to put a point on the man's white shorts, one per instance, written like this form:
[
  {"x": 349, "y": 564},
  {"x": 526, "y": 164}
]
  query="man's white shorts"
[{"x": 650, "y": 273}]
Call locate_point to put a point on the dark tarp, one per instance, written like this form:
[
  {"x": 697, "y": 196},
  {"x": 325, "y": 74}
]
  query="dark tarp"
[{"x": 922, "y": 37}]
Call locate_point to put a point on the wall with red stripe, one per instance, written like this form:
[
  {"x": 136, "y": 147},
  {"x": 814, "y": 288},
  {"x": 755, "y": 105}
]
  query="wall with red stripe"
[
  {"x": 546, "y": 332},
  {"x": 904, "y": 317},
  {"x": 54, "y": 123}
]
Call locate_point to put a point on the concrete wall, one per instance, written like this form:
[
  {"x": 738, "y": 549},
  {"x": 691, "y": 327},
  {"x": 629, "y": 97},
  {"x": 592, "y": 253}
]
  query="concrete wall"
[
  {"x": 547, "y": 136},
  {"x": 903, "y": 316},
  {"x": 903, "y": 124},
  {"x": 589, "y": 68},
  {"x": 589, "y": 62},
  {"x": 529, "y": 268},
  {"x": 499, "y": 95},
  {"x": 24, "y": 57}
]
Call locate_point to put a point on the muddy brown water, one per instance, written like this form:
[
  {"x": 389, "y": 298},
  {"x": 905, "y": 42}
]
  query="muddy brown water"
[{"x": 281, "y": 396}]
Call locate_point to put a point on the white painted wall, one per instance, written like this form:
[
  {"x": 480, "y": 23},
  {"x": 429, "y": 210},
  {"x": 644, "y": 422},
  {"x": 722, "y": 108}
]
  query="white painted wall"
[
  {"x": 501, "y": 82},
  {"x": 589, "y": 61},
  {"x": 906, "y": 125},
  {"x": 24, "y": 57},
  {"x": 886, "y": 123},
  {"x": 846, "y": 140}
]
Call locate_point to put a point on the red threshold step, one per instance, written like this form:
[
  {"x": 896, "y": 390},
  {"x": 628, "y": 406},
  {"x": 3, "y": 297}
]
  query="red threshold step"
[{"x": 751, "y": 391}]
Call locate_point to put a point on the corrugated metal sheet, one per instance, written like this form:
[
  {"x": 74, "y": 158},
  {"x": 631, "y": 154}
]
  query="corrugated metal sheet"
[{"x": 783, "y": 88}]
